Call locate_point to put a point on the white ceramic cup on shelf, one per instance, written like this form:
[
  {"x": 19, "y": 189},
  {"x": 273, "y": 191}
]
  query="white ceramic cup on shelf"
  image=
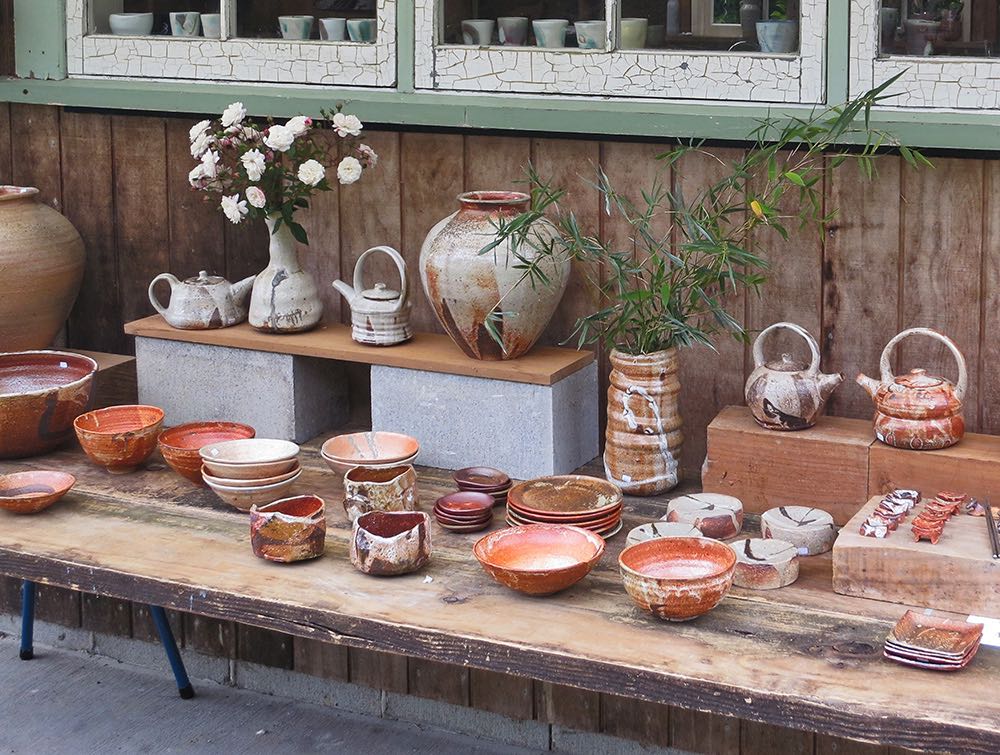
[
  {"x": 512, "y": 30},
  {"x": 333, "y": 29},
  {"x": 591, "y": 35},
  {"x": 634, "y": 33},
  {"x": 131, "y": 24},
  {"x": 295, "y": 27},
  {"x": 362, "y": 30},
  {"x": 478, "y": 31},
  {"x": 550, "y": 32},
  {"x": 211, "y": 25},
  {"x": 185, "y": 24}
]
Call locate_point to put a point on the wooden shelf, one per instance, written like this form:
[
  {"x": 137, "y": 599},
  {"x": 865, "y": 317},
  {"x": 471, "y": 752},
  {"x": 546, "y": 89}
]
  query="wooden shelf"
[{"x": 430, "y": 352}]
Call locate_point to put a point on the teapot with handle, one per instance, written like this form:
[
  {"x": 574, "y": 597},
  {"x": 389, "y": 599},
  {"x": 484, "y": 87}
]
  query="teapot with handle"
[
  {"x": 203, "y": 302},
  {"x": 380, "y": 316},
  {"x": 916, "y": 410},
  {"x": 785, "y": 394}
]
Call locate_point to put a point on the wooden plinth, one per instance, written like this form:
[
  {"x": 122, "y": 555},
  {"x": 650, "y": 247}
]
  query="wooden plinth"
[{"x": 971, "y": 467}]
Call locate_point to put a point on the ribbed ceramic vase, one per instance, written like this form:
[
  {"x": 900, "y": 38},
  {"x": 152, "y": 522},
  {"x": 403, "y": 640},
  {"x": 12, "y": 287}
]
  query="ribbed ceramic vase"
[
  {"x": 284, "y": 298},
  {"x": 41, "y": 261},
  {"x": 464, "y": 286},
  {"x": 644, "y": 438}
]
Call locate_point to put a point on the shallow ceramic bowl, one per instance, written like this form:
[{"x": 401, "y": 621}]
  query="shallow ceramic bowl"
[
  {"x": 388, "y": 543},
  {"x": 246, "y": 497},
  {"x": 677, "y": 578},
  {"x": 292, "y": 529},
  {"x": 41, "y": 393},
  {"x": 31, "y": 492},
  {"x": 180, "y": 445},
  {"x": 250, "y": 458},
  {"x": 131, "y": 24},
  {"x": 466, "y": 503},
  {"x": 228, "y": 482},
  {"x": 370, "y": 448},
  {"x": 539, "y": 559},
  {"x": 119, "y": 438},
  {"x": 345, "y": 467},
  {"x": 486, "y": 479}
]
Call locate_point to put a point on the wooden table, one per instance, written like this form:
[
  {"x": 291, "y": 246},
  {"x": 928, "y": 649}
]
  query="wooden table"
[{"x": 800, "y": 657}]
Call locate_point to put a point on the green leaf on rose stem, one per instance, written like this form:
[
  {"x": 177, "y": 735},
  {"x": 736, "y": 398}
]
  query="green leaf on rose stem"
[
  {"x": 302, "y": 202},
  {"x": 299, "y": 233}
]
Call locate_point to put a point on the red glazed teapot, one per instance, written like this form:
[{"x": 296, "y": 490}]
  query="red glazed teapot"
[{"x": 917, "y": 411}]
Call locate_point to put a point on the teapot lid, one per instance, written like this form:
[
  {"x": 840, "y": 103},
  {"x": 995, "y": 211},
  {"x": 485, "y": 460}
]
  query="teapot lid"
[
  {"x": 918, "y": 378},
  {"x": 204, "y": 279},
  {"x": 786, "y": 364},
  {"x": 380, "y": 293}
]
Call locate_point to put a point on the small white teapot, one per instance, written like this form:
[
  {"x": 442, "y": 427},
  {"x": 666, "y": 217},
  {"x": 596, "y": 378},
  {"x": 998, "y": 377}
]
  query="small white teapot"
[
  {"x": 380, "y": 316},
  {"x": 204, "y": 302}
]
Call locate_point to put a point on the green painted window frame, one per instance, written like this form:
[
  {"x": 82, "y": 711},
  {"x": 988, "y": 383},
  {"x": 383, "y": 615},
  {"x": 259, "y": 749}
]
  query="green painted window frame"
[{"x": 40, "y": 52}]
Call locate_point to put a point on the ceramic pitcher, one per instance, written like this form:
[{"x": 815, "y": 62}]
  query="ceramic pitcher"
[{"x": 380, "y": 316}]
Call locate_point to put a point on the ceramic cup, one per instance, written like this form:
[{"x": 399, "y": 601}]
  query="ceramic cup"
[
  {"x": 333, "y": 29},
  {"x": 656, "y": 35},
  {"x": 292, "y": 529},
  {"x": 211, "y": 25},
  {"x": 185, "y": 24},
  {"x": 778, "y": 36},
  {"x": 513, "y": 30},
  {"x": 131, "y": 24},
  {"x": 361, "y": 29},
  {"x": 477, "y": 31},
  {"x": 387, "y": 489},
  {"x": 295, "y": 27},
  {"x": 634, "y": 33},
  {"x": 387, "y": 543},
  {"x": 550, "y": 32},
  {"x": 590, "y": 35}
]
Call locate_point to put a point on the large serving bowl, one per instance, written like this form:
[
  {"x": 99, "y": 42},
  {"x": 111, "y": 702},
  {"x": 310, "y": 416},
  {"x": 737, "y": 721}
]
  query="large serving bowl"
[
  {"x": 369, "y": 449},
  {"x": 539, "y": 559},
  {"x": 119, "y": 438},
  {"x": 250, "y": 458},
  {"x": 41, "y": 393},
  {"x": 677, "y": 578},
  {"x": 180, "y": 445},
  {"x": 31, "y": 492}
]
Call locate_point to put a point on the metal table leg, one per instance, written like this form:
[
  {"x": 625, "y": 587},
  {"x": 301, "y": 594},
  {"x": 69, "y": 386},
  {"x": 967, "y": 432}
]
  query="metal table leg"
[
  {"x": 27, "y": 620},
  {"x": 176, "y": 662}
]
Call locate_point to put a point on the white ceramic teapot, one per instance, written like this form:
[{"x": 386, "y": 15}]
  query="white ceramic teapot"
[
  {"x": 380, "y": 316},
  {"x": 203, "y": 302}
]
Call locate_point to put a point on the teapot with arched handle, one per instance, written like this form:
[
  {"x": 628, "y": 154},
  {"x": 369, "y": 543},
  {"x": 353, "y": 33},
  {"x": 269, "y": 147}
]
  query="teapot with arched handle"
[{"x": 380, "y": 316}]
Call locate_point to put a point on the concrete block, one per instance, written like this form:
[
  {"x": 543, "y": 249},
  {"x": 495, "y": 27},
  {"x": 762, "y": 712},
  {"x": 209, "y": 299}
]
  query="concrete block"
[
  {"x": 330, "y": 693},
  {"x": 573, "y": 741},
  {"x": 51, "y": 635},
  {"x": 281, "y": 396},
  {"x": 151, "y": 655},
  {"x": 524, "y": 429}
]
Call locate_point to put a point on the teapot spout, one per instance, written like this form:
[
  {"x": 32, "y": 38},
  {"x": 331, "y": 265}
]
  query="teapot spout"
[
  {"x": 242, "y": 289},
  {"x": 828, "y": 384},
  {"x": 346, "y": 291},
  {"x": 869, "y": 384}
]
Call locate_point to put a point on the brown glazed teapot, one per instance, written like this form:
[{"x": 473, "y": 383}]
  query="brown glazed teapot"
[{"x": 917, "y": 411}]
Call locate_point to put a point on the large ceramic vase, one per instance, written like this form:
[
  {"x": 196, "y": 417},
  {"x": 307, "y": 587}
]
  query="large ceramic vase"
[
  {"x": 284, "y": 298},
  {"x": 41, "y": 261},
  {"x": 464, "y": 286},
  {"x": 644, "y": 438}
]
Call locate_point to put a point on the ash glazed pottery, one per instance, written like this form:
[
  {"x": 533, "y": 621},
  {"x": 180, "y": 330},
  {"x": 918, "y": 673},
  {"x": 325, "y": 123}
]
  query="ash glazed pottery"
[
  {"x": 653, "y": 530},
  {"x": 715, "y": 515},
  {"x": 185, "y": 24},
  {"x": 464, "y": 286},
  {"x": 295, "y": 27},
  {"x": 477, "y": 31},
  {"x": 203, "y": 302},
  {"x": 633, "y": 36},
  {"x": 131, "y": 24},
  {"x": 591, "y": 35},
  {"x": 917, "y": 411},
  {"x": 244, "y": 495},
  {"x": 539, "y": 559},
  {"x": 809, "y": 530},
  {"x": 373, "y": 449},
  {"x": 292, "y": 529},
  {"x": 361, "y": 29},
  {"x": 778, "y": 36},
  {"x": 41, "y": 393},
  {"x": 513, "y": 30},
  {"x": 464, "y": 511},
  {"x": 250, "y": 458},
  {"x": 785, "y": 394},
  {"x": 42, "y": 258},
  {"x": 677, "y": 578},
  {"x": 380, "y": 316},
  {"x": 389, "y": 489},
  {"x": 119, "y": 438},
  {"x": 389, "y": 543},
  {"x": 180, "y": 445},
  {"x": 550, "y": 32},
  {"x": 333, "y": 29},
  {"x": 211, "y": 25},
  {"x": 284, "y": 297},
  {"x": 765, "y": 564},
  {"x": 643, "y": 439},
  {"x": 586, "y": 502},
  {"x": 31, "y": 492}
]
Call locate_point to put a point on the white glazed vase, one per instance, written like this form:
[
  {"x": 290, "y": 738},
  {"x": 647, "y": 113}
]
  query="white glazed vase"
[{"x": 285, "y": 298}]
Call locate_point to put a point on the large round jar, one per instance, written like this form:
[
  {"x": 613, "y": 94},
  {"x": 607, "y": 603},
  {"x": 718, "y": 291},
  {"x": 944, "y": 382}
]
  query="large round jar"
[
  {"x": 464, "y": 286},
  {"x": 644, "y": 438},
  {"x": 41, "y": 256}
]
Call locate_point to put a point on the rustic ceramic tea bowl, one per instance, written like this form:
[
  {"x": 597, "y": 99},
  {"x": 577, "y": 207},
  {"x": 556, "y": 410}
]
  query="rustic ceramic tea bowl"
[
  {"x": 250, "y": 458},
  {"x": 369, "y": 449},
  {"x": 31, "y": 492},
  {"x": 234, "y": 482},
  {"x": 677, "y": 578},
  {"x": 119, "y": 438},
  {"x": 539, "y": 559},
  {"x": 41, "y": 393},
  {"x": 387, "y": 543},
  {"x": 292, "y": 529},
  {"x": 244, "y": 497},
  {"x": 180, "y": 445},
  {"x": 377, "y": 489}
]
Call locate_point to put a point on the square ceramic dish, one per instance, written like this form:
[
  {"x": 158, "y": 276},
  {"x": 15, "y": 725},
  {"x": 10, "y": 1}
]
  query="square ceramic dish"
[{"x": 935, "y": 634}]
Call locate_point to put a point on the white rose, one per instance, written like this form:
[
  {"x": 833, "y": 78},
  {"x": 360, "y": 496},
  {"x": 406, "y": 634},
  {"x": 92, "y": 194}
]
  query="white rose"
[
  {"x": 198, "y": 129},
  {"x": 234, "y": 208},
  {"x": 367, "y": 154},
  {"x": 210, "y": 162},
  {"x": 196, "y": 175},
  {"x": 249, "y": 134},
  {"x": 312, "y": 172},
  {"x": 256, "y": 197},
  {"x": 254, "y": 163},
  {"x": 279, "y": 138},
  {"x": 299, "y": 125},
  {"x": 349, "y": 170},
  {"x": 233, "y": 115},
  {"x": 202, "y": 143},
  {"x": 347, "y": 125}
]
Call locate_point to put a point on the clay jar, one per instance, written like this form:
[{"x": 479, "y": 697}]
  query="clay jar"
[
  {"x": 388, "y": 489},
  {"x": 387, "y": 543},
  {"x": 644, "y": 438},
  {"x": 42, "y": 258},
  {"x": 464, "y": 286}
]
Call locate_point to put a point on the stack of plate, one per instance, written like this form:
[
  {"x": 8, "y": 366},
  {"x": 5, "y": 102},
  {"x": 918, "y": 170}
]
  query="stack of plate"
[
  {"x": 465, "y": 511},
  {"x": 933, "y": 642},
  {"x": 487, "y": 480},
  {"x": 587, "y": 502}
]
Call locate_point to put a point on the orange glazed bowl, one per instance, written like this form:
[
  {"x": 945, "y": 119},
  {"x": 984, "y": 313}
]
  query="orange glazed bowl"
[
  {"x": 539, "y": 559},
  {"x": 31, "y": 492},
  {"x": 677, "y": 578},
  {"x": 180, "y": 445},
  {"x": 119, "y": 438}
]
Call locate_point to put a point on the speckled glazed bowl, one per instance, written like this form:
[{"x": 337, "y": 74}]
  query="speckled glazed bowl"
[
  {"x": 677, "y": 578},
  {"x": 370, "y": 449},
  {"x": 292, "y": 529},
  {"x": 387, "y": 543},
  {"x": 119, "y": 438},
  {"x": 250, "y": 458},
  {"x": 34, "y": 491},
  {"x": 180, "y": 445}
]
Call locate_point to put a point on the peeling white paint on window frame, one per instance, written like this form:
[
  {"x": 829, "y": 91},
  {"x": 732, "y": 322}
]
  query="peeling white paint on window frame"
[
  {"x": 695, "y": 75},
  {"x": 245, "y": 60}
]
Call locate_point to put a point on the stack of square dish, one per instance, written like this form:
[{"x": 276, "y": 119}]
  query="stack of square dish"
[
  {"x": 588, "y": 502},
  {"x": 486, "y": 480},
  {"x": 250, "y": 471},
  {"x": 933, "y": 642}
]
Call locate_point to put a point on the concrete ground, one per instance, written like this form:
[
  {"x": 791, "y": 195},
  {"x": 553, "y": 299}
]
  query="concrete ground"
[{"x": 74, "y": 703}]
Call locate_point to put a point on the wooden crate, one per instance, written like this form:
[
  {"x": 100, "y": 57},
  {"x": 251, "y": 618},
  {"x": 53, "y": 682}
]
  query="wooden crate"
[
  {"x": 825, "y": 466},
  {"x": 971, "y": 467},
  {"x": 958, "y": 574}
]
